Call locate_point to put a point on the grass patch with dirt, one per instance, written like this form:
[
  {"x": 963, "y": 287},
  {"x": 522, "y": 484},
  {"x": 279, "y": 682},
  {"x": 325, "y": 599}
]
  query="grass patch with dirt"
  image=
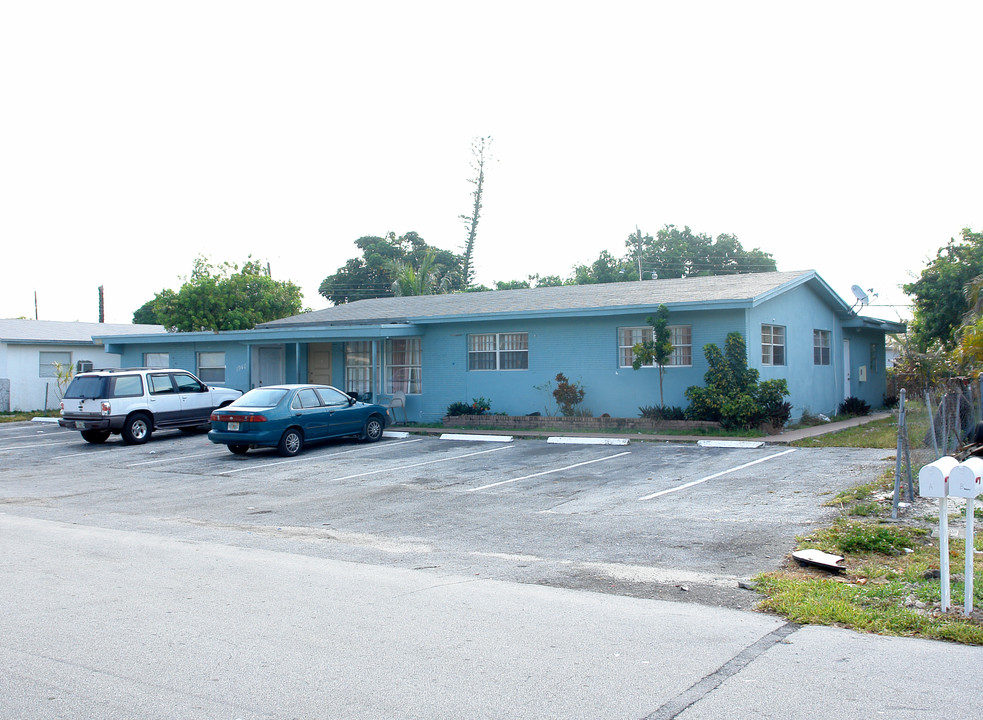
[
  {"x": 6, "y": 417},
  {"x": 891, "y": 582}
]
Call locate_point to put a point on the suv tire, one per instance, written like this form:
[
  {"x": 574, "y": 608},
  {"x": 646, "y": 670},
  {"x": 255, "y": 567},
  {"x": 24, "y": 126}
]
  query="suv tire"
[
  {"x": 96, "y": 437},
  {"x": 137, "y": 429}
]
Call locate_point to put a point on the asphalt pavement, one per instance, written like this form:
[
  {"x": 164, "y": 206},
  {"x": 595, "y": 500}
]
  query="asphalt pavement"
[{"x": 118, "y": 624}]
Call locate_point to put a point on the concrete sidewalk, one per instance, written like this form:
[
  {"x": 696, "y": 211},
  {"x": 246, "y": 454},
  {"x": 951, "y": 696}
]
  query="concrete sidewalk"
[
  {"x": 783, "y": 438},
  {"x": 118, "y": 624}
]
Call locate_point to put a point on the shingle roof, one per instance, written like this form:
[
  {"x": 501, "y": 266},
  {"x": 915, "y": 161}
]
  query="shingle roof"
[
  {"x": 648, "y": 293},
  {"x": 55, "y": 332}
]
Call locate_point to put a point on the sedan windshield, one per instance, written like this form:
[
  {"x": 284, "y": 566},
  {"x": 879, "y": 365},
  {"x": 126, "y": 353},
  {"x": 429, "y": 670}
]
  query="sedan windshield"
[{"x": 261, "y": 397}]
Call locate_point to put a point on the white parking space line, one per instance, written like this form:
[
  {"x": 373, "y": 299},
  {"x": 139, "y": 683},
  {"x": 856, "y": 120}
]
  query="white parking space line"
[
  {"x": 179, "y": 457},
  {"x": 549, "y": 472},
  {"x": 93, "y": 449},
  {"x": 310, "y": 457},
  {"x": 35, "y": 434},
  {"x": 420, "y": 464},
  {"x": 35, "y": 446},
  {"x": 715, "y": 475}
]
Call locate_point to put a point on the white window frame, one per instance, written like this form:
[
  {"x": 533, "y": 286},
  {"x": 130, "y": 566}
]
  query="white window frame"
[
  {"x": 47, "y": 360},
  {"x": 153, "y": 360},
  {"x": 405, "y": 376},
  {"x": 358, "y": 366},
  {"x": 822, "y": 347},
  {"x": 769, "y": 345},
  {"x": 677, "y": 334},
  {"x": 205, "y": 371},
  {"x": 497, "y": 345}
]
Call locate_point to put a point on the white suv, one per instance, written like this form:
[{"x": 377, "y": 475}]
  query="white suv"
[{"x": 134, "y": 402}]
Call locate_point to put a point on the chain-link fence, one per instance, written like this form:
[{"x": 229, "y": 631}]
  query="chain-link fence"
[{"x": 944, "y": 420}]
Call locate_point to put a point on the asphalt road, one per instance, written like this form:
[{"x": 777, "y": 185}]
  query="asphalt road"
[{"x": 421, "y": 578}]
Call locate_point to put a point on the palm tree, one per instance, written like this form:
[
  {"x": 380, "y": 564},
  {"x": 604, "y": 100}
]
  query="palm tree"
[{"x": 425, "y": 280}]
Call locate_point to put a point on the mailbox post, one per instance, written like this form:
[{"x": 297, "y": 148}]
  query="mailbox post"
[
  {"x": 933, "y": 482},
  {"x": 965, "y": 482}
]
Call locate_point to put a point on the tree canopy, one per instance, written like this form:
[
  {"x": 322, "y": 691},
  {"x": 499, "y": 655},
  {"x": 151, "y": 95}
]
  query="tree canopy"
[
  {"x": 675, "y": 253},
  {"x": 383, "y": 260},
  {"x": 939, "y": 293},
  {"x": 407, "y": 265},
  {"x": 223, "y": 297}
]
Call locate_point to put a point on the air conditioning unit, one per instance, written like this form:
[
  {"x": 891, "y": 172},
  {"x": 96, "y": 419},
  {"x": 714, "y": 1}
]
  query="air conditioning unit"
[{"x": 83, "y": 366}]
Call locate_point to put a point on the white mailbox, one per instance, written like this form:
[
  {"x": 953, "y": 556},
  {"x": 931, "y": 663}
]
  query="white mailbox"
[
  {"x": 933, "y": 479},
  {"x": 964, "y": 480}
]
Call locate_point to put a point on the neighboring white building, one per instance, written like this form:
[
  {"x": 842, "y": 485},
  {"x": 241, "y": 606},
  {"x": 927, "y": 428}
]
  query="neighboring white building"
[{"x": 29, "y": 350}]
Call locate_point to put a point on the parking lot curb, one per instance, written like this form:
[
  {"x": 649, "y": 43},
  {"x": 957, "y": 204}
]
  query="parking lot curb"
[
  {"x": 477, "y": 438},
  {"x": 564, "y": 440}
]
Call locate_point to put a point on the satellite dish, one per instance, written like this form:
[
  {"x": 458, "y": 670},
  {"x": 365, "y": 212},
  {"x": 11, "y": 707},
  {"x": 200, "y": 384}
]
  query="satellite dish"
[{"x": 858, "y": 292}]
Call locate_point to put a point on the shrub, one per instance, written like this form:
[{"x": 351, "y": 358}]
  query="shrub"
[
  {"x": 567, "y": 394},
  {"x": 732, "y": 394},
  {"x": 854, "y": 407},
  {"x": 662, "y": 412},
  {"x": 477, "y": 407}
]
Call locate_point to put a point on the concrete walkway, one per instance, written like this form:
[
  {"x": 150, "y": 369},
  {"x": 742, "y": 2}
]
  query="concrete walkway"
[{"x": 784, "y": 438}]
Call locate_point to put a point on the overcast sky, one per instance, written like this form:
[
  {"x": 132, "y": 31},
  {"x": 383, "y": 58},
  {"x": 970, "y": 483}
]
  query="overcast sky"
[{"x": 843, "y": 137}]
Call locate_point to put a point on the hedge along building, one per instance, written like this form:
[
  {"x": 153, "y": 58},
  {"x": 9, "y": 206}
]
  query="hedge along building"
[{"x": 508, "y": 345}]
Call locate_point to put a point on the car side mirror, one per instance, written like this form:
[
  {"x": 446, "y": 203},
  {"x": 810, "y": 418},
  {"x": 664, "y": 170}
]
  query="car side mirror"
[{"x": 351, "y": 401}]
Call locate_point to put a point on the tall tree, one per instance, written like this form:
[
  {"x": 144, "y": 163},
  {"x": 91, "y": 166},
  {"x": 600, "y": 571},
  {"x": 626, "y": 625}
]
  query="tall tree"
[
  {"x": 674, "y": 253},
  {"x": 224, "y": 297},
  {"x": 481, "y": 154},
  {"x": 423, "y": 280},
  {"x": 939, "y": 293},
  {"x": 373, "y": 274},
  {"x": 679, "y": 253},
  {"x": 658, "y": 350}
]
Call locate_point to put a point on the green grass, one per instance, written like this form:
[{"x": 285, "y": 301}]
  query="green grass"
[
  {"x": 885, "y": 607},
  {"x": 22, "y": 416},
  {"x": 876, "y": 434},
  {"x": 887, "y": 587}
]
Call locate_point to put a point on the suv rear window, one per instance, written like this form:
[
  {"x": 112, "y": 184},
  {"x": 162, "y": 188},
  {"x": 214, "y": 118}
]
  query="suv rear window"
[
  {"x": 127, "y": 386},
  {"x": 92, "y": 386}
]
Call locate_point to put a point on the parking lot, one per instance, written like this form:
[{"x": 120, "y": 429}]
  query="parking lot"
[{"x": 662, "y": 520}]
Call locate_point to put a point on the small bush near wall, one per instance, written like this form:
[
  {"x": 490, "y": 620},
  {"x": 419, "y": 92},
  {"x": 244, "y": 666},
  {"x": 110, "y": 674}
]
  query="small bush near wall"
[
  {"x": 662, "y": 412},
  {"x": 854, "y": 407},
  {"x": 477, "y": 407},
  {"x": 577, "y": 424}
]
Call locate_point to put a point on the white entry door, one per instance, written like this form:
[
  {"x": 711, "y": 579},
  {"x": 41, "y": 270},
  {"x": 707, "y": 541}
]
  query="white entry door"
[
  {"x": 270, "y": 366},
  {"x": 847, "y": 390}
]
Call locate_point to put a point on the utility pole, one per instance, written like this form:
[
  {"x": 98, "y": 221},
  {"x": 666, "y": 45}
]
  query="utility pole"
[{"x": 102, "y": 306}]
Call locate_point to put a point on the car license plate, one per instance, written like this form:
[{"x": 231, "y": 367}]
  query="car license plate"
[
  {"x": 233, "y": 426},
  {"x": 80, "y": 425}
]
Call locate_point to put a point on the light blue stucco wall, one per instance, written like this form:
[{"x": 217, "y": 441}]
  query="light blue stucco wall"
[
  {"x": 868, "y": 375},
  {"x": 585, "y": 349},
  {"x": 185, "y": 356},
  {"x": 816, "y": 388}
]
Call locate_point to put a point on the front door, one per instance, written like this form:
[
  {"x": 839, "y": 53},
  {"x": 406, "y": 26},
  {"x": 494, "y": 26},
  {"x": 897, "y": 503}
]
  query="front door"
[
  {"x": 319, "y": 363},
  {"x": 270, "y": 366},
  {"x": 847, "y": 390}
]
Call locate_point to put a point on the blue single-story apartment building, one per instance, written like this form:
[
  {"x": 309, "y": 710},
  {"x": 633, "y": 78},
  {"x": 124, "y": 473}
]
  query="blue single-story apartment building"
[{"x": 508, "y": 345}]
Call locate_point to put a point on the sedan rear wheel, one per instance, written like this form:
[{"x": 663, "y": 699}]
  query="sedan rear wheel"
[
  {"x": 239, "y": 449},
  {"x": 373, "y": 429},
  {"x": 291, "y": 442}
]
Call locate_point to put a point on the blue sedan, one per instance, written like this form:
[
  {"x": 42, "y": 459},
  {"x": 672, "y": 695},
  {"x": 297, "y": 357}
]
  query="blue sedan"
[{"x": 289, "y": 416}]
